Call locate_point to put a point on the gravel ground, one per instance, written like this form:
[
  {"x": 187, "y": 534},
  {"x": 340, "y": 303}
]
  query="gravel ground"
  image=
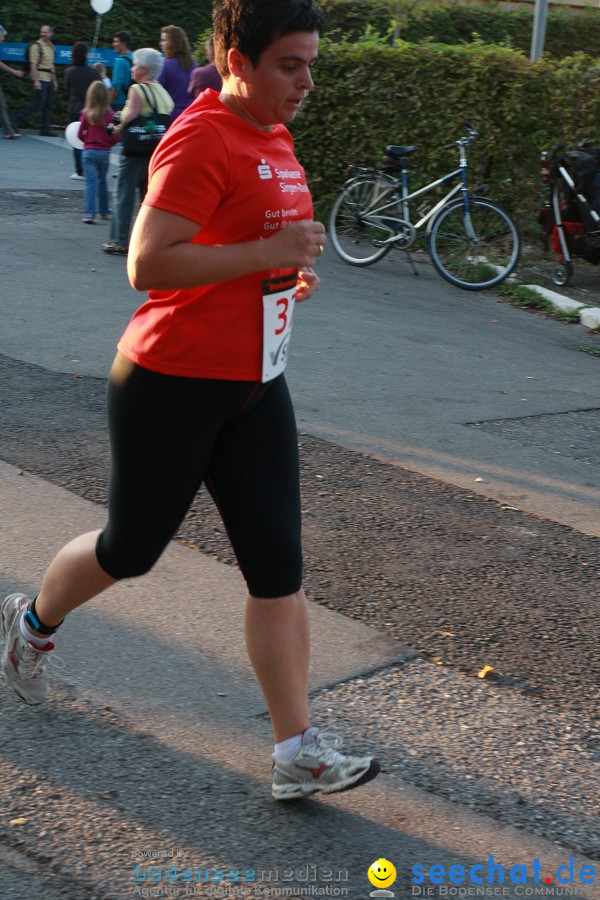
[
  {"x": 109, "y": 806},
  {"x": 472, "y": 742},
  {"x": 460, "y": 578},
  {"x": 48, "y": 202}
]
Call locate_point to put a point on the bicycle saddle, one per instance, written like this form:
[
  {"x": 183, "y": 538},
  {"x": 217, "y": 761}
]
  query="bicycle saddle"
[{"x": 393, "y": 150}]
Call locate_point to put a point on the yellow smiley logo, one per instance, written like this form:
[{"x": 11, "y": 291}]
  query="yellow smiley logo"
[{"x": 382, "y": 873}]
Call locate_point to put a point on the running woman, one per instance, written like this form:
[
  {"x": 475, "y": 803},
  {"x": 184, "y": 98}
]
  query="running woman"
[{"x": 225, "y": 245}]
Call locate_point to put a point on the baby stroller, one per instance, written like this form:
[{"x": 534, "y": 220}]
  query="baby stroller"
[{"x": 569, "y": 217}]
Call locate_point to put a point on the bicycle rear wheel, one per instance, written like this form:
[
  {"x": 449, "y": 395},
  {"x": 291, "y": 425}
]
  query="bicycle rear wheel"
[
  {"x": 359, "y": 220},
  {"x": 478, "y": 252}
]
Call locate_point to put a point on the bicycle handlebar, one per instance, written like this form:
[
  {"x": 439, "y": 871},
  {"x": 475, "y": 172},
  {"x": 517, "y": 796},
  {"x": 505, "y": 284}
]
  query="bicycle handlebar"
[{"x": 471, "y": 136}]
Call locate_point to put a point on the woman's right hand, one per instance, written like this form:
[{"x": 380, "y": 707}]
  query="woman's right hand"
[{"x": 296, "y": 246}]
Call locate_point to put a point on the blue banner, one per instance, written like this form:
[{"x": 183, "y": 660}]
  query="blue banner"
[{"x": 13, "y": 52}]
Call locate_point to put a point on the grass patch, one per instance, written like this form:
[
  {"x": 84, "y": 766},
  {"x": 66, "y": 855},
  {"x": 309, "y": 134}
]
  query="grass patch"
[
  {"x": 525, "y": 297},
  {"x": 566, "y": 315},
  {"x": 519, "y": 295},
  {"x": 593, "y": 351},
  {"x": 483, "y": 272}
]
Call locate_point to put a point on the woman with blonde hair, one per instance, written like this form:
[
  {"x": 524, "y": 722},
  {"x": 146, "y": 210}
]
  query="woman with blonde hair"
[
  {"x": 177, "y": 67},
  {"x": 77, "y": 79},
  {"x": 97, "y": 141}
]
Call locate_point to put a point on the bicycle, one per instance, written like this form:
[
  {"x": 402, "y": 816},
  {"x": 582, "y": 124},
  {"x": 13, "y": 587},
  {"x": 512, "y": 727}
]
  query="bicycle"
[{"x": 473, "y": 242}]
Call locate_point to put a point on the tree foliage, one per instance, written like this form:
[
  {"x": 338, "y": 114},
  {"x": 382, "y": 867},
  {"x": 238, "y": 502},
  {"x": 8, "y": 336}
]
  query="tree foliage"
[
  {"x": 74, "y": 20},
  {"x": 448, "y": 22}
]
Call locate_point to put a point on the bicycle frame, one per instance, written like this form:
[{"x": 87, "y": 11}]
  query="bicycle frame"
[
  {"x": 406, "y": 197},
  {"x": 473, "y": 242}
]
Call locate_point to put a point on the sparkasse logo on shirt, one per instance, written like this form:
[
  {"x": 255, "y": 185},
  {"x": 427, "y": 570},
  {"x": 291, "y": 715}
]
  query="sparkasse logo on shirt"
[{"x": 264, "y": 170}]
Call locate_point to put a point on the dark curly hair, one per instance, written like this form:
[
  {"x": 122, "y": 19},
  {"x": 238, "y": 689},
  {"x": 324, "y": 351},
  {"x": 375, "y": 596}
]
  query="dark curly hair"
[{"x": 251, "y": 26}]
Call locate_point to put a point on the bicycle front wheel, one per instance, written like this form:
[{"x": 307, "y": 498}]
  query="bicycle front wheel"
[
  {"x": 474, "y": 251},
  {"x": 361, "y": 218}
]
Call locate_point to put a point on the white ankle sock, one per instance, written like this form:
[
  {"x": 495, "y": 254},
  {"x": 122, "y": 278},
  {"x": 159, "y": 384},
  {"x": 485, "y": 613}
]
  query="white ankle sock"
[
  {"x": 35, "y": 639},
  {"x": 285, "y": 750}
]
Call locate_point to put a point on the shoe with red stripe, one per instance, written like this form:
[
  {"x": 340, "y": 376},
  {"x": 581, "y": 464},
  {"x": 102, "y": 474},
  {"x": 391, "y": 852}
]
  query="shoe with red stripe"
[
  {"x": 319, "y": 767},
  {"x": 23, "y": 665}
]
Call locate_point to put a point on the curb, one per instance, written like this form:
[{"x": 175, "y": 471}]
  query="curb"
[{"x": 589, "y": 316}]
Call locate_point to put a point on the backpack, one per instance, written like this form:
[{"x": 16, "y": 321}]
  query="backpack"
[
  {"x": 27, "y": 66},
  {"x": 129, "y": 60},
  {"x": 582, "y": 166}
]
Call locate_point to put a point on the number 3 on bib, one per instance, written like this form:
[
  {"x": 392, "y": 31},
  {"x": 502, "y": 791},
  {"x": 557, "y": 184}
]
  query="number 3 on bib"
[{"x": 278, "y": 313}]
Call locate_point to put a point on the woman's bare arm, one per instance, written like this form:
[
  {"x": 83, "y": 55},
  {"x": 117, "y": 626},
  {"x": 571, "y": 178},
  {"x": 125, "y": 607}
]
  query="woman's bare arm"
[{"x": 162, "y": 257}]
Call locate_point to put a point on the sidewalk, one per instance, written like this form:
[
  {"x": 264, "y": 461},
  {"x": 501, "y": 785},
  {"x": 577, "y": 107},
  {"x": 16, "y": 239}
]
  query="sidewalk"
[
  {"x": 155, "y": 737},
  {"x": 58, "y": 166}
]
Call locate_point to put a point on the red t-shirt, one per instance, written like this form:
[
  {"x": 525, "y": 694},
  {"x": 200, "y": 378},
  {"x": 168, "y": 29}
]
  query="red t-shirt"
[{"x": 240, "y": 184}]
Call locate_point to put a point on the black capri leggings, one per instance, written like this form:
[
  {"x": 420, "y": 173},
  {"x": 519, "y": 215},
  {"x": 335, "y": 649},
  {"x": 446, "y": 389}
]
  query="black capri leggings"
[{"x": 169, "y": 434}]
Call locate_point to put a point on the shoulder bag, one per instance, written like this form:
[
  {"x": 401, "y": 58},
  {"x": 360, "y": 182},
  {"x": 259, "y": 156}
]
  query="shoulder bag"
[{"x": 141, "y": 136}]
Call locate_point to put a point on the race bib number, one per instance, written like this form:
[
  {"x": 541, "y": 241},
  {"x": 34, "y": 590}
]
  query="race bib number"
[{"x": 278, "y": 312}]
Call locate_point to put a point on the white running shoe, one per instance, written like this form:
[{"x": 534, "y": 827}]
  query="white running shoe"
[
  {"x": 319, "y": 767},
  {"x": 23, "y": 665}
]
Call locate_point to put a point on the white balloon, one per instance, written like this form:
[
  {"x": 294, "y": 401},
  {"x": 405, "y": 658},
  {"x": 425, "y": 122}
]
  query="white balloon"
[
  {"x": 71, "y": 135},
  {"x": 101, "y": 6}
]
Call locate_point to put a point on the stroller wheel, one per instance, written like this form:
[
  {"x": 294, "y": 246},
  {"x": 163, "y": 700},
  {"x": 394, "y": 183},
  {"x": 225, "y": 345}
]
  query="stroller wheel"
[{"x": 561, "y": 275}]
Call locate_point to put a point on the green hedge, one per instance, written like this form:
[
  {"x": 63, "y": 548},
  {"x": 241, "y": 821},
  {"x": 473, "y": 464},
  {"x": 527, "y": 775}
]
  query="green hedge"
[
  {"x": 74, "y": 20},
  {"x": 566, "y": 33},
  {"x": 369, "y": 96},
  {"x": 429, "y": 20},
  {"x": 446, "y": 21}
]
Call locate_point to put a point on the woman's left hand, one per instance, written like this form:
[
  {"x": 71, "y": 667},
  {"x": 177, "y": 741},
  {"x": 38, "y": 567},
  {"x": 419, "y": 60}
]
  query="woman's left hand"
[{"x": 306, "y": 285}]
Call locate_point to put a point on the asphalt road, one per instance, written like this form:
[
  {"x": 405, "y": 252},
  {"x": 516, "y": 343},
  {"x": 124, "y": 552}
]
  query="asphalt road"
[{"x": 450, "y": 482}]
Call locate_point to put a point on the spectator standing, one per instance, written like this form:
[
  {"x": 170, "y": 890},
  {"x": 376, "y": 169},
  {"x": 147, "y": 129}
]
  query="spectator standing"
[
  {"x": 101, "y": 68},
  {"x": 9, "y": 131},
  {"x": 204, "y": 77},
  {"x": 97, "y": 141},
  {"x": 133, "y": 170},
  {"x": 78, "y": 78},
  {"x": 177, "y": 67},
  {"x": 43, "y": 75},
  {"x": 121, "y": 73}
]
